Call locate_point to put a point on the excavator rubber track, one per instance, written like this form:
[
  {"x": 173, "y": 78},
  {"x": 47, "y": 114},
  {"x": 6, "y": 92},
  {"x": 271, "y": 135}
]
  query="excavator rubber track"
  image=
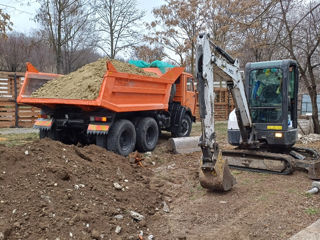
[{"x": 262, "y": 161}]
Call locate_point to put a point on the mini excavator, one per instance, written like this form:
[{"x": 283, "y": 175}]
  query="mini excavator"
[{"x": 263, "y": 125}]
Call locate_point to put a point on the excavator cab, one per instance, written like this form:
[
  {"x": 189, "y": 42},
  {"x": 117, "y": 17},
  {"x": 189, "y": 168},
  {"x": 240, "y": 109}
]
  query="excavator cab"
[{"x": 271, "y": 89}]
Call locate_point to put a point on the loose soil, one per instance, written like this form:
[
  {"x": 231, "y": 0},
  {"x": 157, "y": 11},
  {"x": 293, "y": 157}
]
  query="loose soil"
[
  {"x": 84, "y": 83},
  {"x": 52, "y": 191}
]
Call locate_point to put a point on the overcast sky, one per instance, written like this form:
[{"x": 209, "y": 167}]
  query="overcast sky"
[{"x": 22, "y": 13}]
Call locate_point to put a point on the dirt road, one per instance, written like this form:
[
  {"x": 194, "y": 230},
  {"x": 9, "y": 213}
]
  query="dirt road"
[
  {"x": 260, "y": 206},
  {"x": 49, "y": 190}
]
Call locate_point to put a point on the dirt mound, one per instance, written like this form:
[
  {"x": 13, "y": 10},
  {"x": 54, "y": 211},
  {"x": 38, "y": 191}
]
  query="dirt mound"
[
  {"x": 54, "y": 191},
  {"x": 85, "y": 82},
  {"x": 305, "y": 139}
]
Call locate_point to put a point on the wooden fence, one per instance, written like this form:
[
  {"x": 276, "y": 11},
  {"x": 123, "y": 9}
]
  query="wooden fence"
[
  {"x": 13, "y": 114},
  {"x": 223, "y": 104}
]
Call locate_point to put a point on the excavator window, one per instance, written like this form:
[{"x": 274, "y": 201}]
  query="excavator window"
[{"x": 265, "y": 98}]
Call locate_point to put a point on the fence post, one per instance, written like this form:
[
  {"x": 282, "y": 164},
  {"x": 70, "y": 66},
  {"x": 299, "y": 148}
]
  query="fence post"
[{"x": 15, "y": 100}]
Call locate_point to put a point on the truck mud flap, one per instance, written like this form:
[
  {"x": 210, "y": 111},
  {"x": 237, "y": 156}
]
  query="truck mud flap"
[
  {"x": 177, "y": 113},
  {"x": 98, "y": 129},
  {"x": 44, "y": 124}
]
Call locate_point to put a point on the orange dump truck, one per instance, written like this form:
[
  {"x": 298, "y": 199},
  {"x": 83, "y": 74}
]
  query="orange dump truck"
[{"x": 129, "y": 113}]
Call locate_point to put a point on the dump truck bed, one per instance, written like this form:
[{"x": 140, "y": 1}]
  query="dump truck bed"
[{"x": 119, "y": 92}]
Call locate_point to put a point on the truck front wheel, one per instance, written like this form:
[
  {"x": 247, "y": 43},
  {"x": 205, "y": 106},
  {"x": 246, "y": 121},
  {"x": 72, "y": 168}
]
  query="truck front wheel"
[
  {"x": 184, "y": 128},
  {"x": 122, "y": 137},
  {"x": 147, "y": 134}
]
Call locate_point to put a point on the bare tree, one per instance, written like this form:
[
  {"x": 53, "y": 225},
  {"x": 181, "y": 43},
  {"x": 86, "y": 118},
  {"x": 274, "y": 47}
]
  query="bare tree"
[
  {"x": 62, "y": 21},
  {"x": 147, "y": 53},
  {"x": 14, "y": 52},
  {"x": 41, "y": 55},
  {"x": 5, "y": 23},
  {"x": 18, "y": 48},
  {"x": 301, "y": 38},
  {"x": 118, "y": 23},
  {"x": 76, "y": 58},
  {"x": 176, "y": 28}
]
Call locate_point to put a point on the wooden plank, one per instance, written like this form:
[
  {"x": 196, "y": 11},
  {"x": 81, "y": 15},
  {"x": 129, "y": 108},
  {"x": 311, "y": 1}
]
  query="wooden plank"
[
  {"x": 30, "y": 110},
  {"x": 7, "y": 114},
  {"x": 6, "y": 124},
  {"x": 6, "y": 99},
  {"x": 11, "y": 121},
  {"x": 26, "y": 124},
  {"x": 7, "y": 105},
  {"x": 25, "y": 115},
  {"x": 7, "y": 74}
]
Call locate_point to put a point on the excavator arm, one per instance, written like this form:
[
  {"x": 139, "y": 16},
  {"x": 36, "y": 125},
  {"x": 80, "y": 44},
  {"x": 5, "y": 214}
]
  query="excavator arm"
[{"x": 215, "y": 173}]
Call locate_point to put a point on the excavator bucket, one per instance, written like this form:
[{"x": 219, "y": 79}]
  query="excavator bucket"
[{"x": 218, "y": 179}]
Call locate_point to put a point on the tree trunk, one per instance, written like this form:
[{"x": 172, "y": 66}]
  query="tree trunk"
[
  {"x": 315, "y": 117},
  {"x": 59, "y": 37},
  {"x": 192, "y": 57},
  {"x": 59, "y": 60},
  {"x": 313, "y": 95}
]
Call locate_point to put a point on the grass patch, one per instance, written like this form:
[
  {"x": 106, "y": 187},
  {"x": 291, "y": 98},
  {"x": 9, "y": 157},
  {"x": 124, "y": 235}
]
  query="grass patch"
[
  {"x": 18, "y": 139},
  {"x": 236, "y": 172},
  {"x": 196, "y": 129},
  {"x": 263, "y": 197},
  {"x": 196, "y": 192},
  {"x": 312, "y": 211},
  {"x": 221, "y": 129}
]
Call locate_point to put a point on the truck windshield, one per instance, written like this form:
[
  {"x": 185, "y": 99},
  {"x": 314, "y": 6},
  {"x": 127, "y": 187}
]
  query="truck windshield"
[{"x": 265, "y": 98}]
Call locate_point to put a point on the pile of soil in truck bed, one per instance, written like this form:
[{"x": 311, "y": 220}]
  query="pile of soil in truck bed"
[
  {"x": 84, "y": 83},
  {"x": 49, "y": 190}
]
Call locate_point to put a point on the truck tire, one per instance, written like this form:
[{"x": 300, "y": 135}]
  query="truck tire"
[
  {"x": 122, "y": 137},
  {"x": 184, "y": 128},
  {"x": 147, "y": 134}
]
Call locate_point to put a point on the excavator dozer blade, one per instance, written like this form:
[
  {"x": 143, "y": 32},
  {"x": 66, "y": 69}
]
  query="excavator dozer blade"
[{"x": 218, "y": 179}]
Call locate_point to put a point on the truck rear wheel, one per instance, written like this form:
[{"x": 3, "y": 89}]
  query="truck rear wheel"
[
  {"x": 147, "y": 134},
  {"x": 122, "y": 137}
]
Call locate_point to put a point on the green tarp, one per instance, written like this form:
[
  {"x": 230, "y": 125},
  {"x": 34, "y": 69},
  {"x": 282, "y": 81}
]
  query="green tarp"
[{"x": 163, "y": 66}]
